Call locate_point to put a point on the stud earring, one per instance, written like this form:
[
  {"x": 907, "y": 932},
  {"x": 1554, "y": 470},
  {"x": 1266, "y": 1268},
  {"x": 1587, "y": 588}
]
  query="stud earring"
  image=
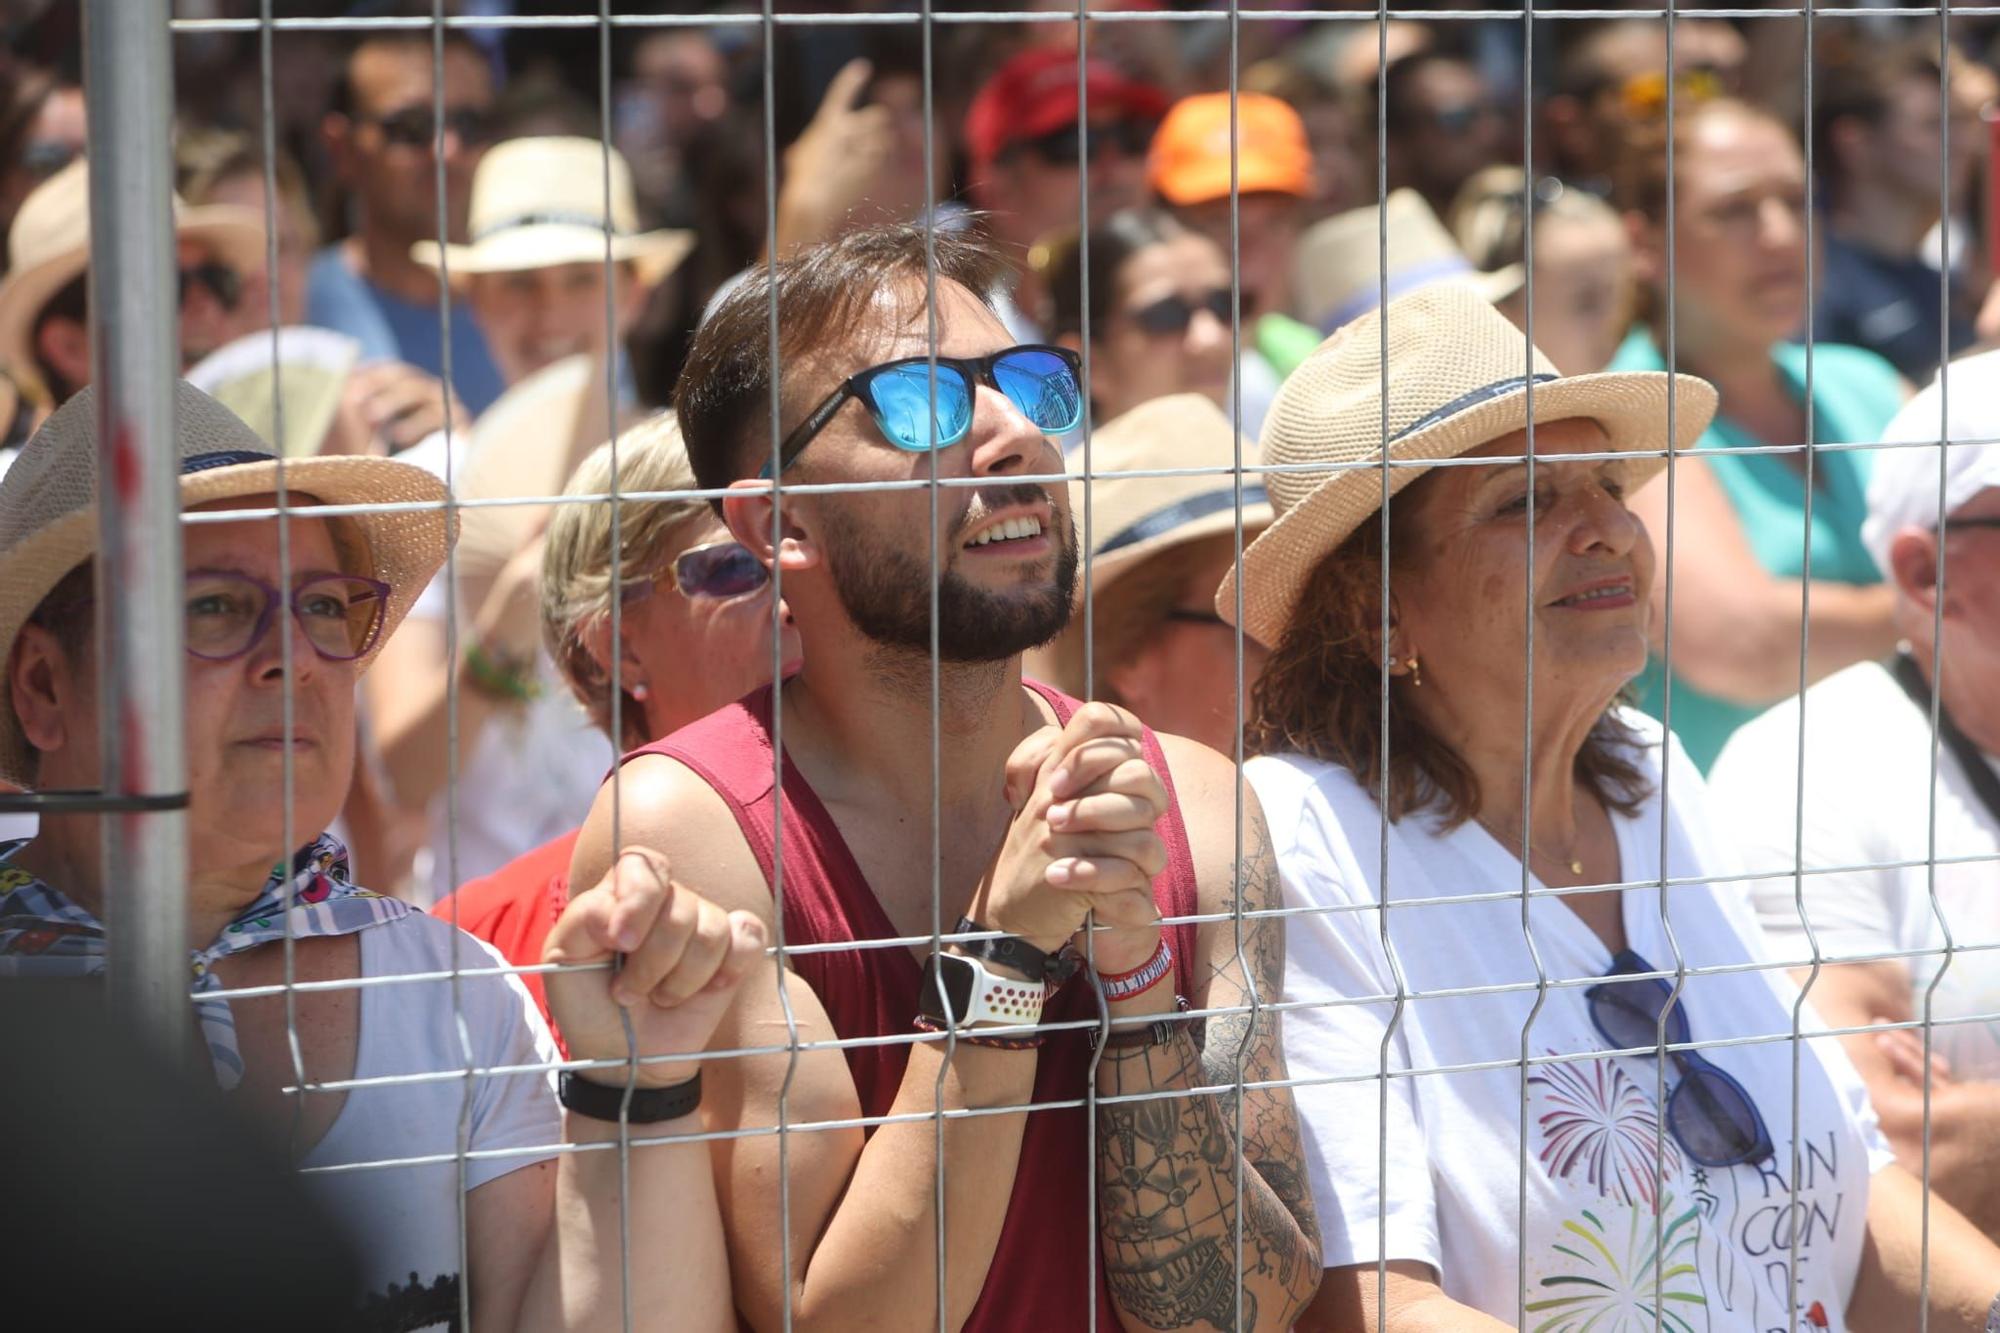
[{"x": 639, "y": 691}]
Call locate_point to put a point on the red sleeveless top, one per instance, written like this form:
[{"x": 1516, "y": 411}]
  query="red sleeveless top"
[{"x": 1042, "y": 1266}]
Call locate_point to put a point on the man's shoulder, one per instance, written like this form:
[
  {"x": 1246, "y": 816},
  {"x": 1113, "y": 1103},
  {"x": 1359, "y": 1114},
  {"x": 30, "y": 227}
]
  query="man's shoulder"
[
  {"x": 1856, "y": 716},
  {"x": 655, "y": 800}
]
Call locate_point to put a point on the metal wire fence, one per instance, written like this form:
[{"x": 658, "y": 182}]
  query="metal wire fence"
[{"x": 129, "y": 147}]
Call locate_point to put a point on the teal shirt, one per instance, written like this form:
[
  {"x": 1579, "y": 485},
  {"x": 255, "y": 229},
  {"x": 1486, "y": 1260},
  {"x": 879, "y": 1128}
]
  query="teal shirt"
[{"x": 1855, "y": 393}]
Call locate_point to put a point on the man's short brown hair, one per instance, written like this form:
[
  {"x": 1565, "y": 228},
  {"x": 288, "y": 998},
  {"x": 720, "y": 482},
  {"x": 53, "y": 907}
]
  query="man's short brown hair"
[{"x": 723, "y": 399}]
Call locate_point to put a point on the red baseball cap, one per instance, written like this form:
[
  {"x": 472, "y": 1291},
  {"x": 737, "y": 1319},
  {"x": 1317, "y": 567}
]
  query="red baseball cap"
[{"x": 1035, "y": 93}]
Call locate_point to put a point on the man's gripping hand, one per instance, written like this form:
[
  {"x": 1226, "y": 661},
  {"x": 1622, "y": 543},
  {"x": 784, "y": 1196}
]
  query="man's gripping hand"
[{"x": 1085, "y": 802}]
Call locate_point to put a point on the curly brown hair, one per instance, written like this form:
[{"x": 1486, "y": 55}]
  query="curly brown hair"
[{"x": 1321, "y": 696}]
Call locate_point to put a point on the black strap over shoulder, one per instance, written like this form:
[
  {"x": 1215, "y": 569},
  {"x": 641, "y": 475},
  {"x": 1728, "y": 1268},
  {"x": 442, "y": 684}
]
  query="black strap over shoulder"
[{"x": 1978, "y": 772}]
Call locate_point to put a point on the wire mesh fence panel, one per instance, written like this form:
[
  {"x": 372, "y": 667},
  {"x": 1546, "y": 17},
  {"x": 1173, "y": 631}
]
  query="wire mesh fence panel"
[{"x": 1534, "y": 869}]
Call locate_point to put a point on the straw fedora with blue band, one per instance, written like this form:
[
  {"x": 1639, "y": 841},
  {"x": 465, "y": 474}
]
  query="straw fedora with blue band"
[
  {"x": 1460, "y": 377},
  {"x": 48, "y": 514},
  {"x": 1133, "y": 519}
]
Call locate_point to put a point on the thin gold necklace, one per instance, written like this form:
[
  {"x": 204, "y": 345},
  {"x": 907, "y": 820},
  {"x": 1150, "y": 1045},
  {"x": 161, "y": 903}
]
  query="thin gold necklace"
[{"x": 1573, "y": 861}]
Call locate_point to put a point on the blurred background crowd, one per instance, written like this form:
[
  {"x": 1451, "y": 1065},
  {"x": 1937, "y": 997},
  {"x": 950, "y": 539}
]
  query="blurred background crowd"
[{"x": 426, "y": 219}]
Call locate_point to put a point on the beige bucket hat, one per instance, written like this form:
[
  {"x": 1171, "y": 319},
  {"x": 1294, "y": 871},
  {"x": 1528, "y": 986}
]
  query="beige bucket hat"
[
  {"x": 1337, "y": 274},
  {"x": 1133, "y": 519},
  {"x": 1457, "y": 382},
  {"x": 539, "y": 202},
  {"x": 48, "y": 513},
  {"x": 49, "y": 244}
]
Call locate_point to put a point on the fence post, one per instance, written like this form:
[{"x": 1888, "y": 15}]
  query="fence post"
[{"x": 128, "y": 89}]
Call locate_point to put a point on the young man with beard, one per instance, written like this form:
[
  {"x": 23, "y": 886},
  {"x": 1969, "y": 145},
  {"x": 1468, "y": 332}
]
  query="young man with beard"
[{"x": 1048, "y": 811}]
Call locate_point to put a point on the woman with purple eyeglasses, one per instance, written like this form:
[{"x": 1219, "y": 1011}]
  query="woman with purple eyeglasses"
[
  {"x": 694, "y": 633},
  {"x": 465, "y": 1207}
]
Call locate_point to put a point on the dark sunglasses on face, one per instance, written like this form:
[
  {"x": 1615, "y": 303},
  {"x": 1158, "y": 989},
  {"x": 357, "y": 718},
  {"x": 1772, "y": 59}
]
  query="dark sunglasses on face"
[
  {"x": 1171, "y": 315},
  {"x": 222, "y": 281},
  {"x": 718, "y": 570},
  {"x": 918, "y": 413},
  {"x": 1967, "y": 524},
  {"x": 1709, "y": 1113},
  {"x": 417, "y": 126},
  {"x": 1059, "y": 148},
  {"x": 229, "y": 613}
]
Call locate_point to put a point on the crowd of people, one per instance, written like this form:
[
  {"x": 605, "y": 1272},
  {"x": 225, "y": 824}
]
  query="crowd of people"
[{"x": 1530, "y": 854}]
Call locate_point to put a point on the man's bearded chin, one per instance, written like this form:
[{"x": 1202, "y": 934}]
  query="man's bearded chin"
[{"x": 886, "y": 593}]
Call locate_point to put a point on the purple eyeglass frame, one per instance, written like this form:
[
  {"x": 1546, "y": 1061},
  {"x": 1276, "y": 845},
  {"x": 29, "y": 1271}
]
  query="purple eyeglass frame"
[{"x": 272, "y": 597}]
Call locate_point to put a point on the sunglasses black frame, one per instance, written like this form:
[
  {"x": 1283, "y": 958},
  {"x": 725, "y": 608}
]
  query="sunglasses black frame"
[
  {"x": 1216, "y": 302},
  {"x": 222, "y": 281},
  {"x": 1970, "y": 524},
  {"x": 1059, "y": 148},
  {"x": 976, "y": 370},
  {"x": 1694, "y": 1068},
  {"x": 417, "y": 126}
]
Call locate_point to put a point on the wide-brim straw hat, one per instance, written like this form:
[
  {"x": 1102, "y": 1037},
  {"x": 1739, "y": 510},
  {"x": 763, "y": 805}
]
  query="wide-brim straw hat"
[
  {"x": 48, "y": 513},
  {"x": 1337, "y": 272},
  {"x": 1458, "y": 379},
  {"x": 1133, "y": 519},
  {"x": 539, "y": 202},
  {"x": 48, "y": 245}
]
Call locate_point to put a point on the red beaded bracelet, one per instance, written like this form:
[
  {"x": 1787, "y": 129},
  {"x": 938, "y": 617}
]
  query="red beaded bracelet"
[{"x": 1126, "y": 985}]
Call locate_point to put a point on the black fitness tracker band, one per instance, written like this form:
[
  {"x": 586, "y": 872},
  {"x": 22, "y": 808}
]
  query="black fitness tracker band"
[
  {"x": 1012, "y": 951},
  {"x": 603, "y": 1101}
]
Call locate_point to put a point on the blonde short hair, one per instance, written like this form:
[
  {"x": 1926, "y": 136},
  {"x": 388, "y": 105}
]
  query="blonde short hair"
[{"x": 581, "y": 579}]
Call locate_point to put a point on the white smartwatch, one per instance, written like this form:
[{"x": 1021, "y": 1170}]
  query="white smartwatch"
[{"x": 975, "y": 995}]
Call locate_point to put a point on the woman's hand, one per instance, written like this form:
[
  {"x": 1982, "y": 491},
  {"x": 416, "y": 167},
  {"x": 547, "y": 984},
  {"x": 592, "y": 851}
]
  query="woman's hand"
[{"x": 683, "y": 957}]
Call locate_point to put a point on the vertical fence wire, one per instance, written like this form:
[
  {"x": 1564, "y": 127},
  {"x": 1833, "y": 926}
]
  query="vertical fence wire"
[
  {"x": 1804, "y": 682},
  {"x": 776, "y": 408},
  {"x": 1935, "y": 709},
  {"x": 1386, "y": 657}
]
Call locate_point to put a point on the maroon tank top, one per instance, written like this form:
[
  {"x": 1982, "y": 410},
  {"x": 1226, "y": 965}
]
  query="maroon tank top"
[{"x": 1042, "y": 1264}]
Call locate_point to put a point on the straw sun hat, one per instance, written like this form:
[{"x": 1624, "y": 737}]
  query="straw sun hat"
[
  {"x": 1133, "y": 519},
  {"x": 48, "y": 513},
  {"x": 1457, "y": 383},
  {"x": 1338, "y": 271},
  {"x": 539, "y": 202},
  {"x": 49, "y": 244}
]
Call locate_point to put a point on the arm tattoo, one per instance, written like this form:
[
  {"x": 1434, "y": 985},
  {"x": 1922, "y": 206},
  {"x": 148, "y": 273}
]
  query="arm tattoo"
[{"x": 1167, "y": 1166}]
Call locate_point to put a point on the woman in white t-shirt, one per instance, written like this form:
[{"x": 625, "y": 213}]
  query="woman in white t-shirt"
[
  {"x": 1488, "y": 1110},
  {"x": 426, "y": 1116}
]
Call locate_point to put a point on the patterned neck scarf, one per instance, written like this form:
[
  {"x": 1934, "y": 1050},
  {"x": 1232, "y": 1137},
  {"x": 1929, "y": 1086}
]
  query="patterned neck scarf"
[{"x": 44, "y": 934}]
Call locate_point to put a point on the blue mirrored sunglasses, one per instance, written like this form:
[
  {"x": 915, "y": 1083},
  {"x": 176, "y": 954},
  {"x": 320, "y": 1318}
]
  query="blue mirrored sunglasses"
[
  {"x": 1041, "y": 381},
  {"x": 1709, "y": 1113}
]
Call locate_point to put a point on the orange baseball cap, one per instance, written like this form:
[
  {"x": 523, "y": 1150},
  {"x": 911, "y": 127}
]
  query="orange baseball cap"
[{"x": 1189, "y": 161}]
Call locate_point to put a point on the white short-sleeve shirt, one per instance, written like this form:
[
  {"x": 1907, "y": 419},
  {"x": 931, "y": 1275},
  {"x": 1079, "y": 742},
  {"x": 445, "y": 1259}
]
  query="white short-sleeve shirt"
[
  {"x": 403, "y": 1220},
  {"x": 1867, "y": 803},
  {"x": 1441, "y": 1174}
]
